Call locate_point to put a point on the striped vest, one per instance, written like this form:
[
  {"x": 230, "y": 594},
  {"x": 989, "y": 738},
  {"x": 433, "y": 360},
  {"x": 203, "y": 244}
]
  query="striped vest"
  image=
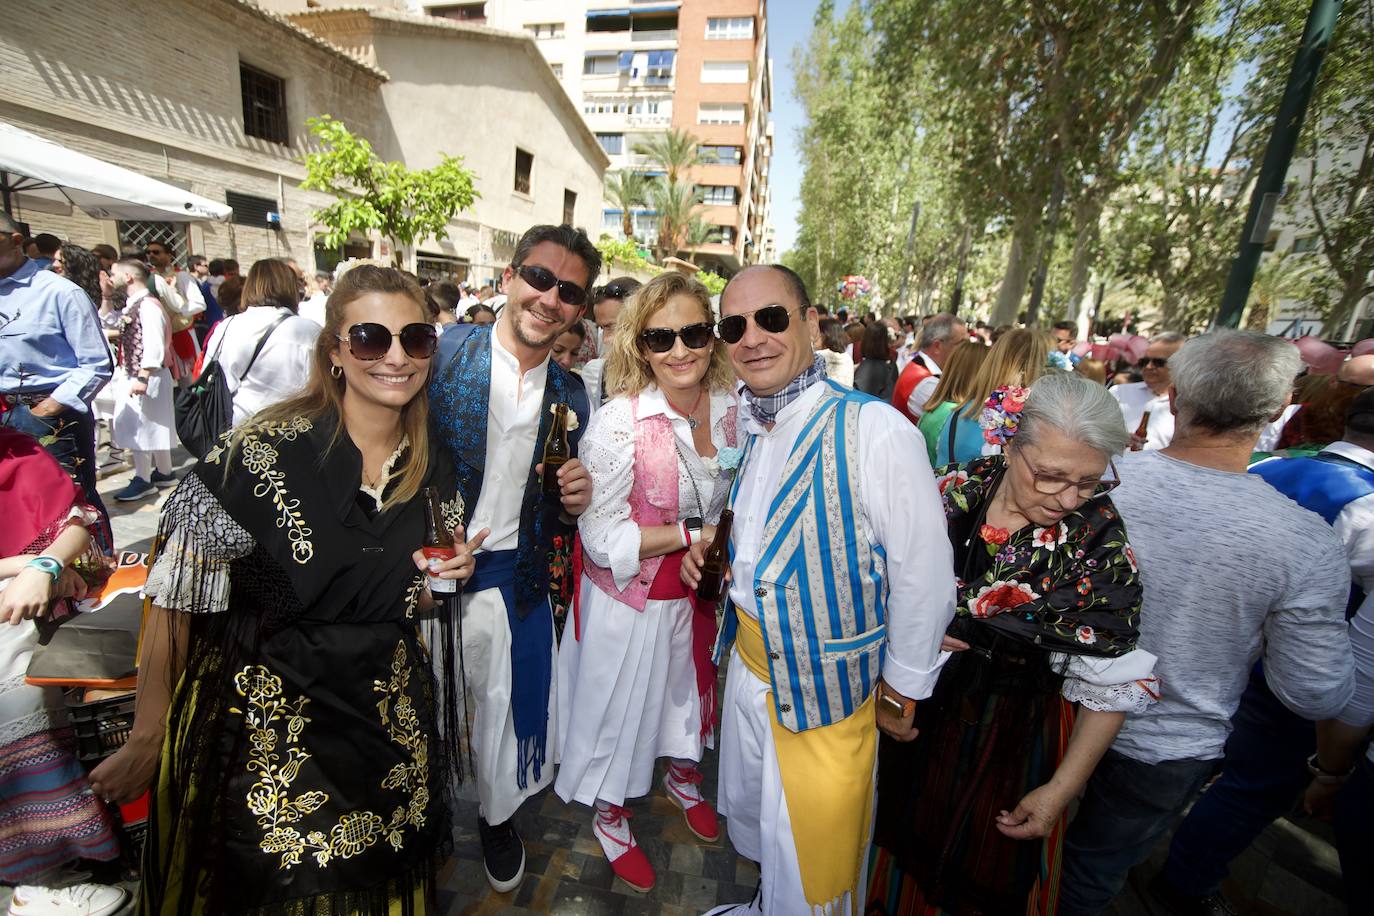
[{"x": 820, "y": 589}]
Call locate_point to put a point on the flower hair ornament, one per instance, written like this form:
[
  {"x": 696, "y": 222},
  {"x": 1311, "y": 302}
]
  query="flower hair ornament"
[{"x": 1002, "y": 414}]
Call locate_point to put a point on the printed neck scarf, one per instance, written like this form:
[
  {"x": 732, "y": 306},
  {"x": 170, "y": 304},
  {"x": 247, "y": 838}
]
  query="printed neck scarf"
[{"x": 765, "y": 407}]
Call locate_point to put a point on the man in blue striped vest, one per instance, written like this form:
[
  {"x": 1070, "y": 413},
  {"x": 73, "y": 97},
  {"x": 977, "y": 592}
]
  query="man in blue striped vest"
[{"x": 842, "y": 587}]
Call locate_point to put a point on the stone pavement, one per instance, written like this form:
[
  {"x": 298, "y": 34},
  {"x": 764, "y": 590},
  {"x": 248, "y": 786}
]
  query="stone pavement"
[{"x": 1291, "y": 869}]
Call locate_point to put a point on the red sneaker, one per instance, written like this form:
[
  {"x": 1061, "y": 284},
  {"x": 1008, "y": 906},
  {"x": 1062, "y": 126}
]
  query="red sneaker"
[
  {"x": 628, "y": 861},
  {"x": 683, "y": 787}
]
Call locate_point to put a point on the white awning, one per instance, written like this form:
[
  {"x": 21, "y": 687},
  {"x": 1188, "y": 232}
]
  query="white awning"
[{"x": 39, "y": 168}]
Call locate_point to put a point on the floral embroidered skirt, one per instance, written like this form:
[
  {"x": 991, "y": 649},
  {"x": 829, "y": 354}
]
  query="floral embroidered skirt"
[{"x": 994, "y": 729}]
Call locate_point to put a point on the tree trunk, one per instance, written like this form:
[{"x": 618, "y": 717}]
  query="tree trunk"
[
  {"x": 1020, "y": 259},
  {"x": 1087, "y": 216},
  {"x": 1342, "y": 316}
]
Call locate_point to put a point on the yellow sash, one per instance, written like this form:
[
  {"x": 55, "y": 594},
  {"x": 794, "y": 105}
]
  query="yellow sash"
[{"x": 827, "y": 779}]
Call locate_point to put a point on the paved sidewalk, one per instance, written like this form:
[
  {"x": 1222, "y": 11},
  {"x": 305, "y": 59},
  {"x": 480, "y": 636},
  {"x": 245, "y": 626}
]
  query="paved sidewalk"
[{"x": 1291, "y": 869}]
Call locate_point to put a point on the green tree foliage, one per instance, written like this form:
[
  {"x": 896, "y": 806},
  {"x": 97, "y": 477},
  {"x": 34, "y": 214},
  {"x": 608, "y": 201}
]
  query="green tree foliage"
[
  {"x": 623, "y": 253},
  {"x": 405, "y": 205},
  {"x": 628, "y": 190},
  {"x": 674, "y": 196}
]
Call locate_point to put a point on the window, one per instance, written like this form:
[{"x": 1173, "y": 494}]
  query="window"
[
  {"x": 569, "y": 206},
  {"x": 141, "y": 233},
  {"x": 250, "y": 210},
  {"x": 733, "y": 27},
  {"x": 544, "y": 29},
  {"x": 598, "y": 64},
  {"x": 613, "y": 144},
  {"x": 1304, "y": 243},
  {"x": 264, "y": 104},
  {"x": 722, "y": 235},
  {"x": 722, "y": 155},
  {"x": 608, "y": 21},
  {"x": 720, "y": 113},
  {"x": 719, "y": 194},
  {"x": 475, "y": 13},
  {"x": 725, "y": 71},
  {"x": 557, "y": 70},
  {"x": 524, "y": 165},
  {"x": 440, "y": 268},
  {"x": 660, "y": 66}
]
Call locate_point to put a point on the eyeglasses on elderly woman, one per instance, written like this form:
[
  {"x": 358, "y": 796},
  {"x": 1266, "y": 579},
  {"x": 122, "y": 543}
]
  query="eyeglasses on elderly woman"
[{"x": 1053, "y": 485}]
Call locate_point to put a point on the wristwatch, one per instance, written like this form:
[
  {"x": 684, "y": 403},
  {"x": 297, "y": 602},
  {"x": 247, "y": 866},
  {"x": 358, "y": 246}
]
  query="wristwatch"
[
  {"x": 1326, "y": 777},
  {"x": 693, "y": 525},
  {"x": 892, "y": 705}
]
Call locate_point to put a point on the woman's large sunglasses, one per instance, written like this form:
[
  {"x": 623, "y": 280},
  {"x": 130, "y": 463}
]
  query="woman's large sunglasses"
[
  {"x": 370, "y": 340},
  {"x": 543, "y": 279},
  {"x": 772, "y": 318},
  {"x": 661, "y": 340}
]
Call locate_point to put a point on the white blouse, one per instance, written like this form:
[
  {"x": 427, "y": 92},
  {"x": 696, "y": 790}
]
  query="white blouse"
[
  {"x": 282, "y": 367},
  {"x": 610, "y": 537}
]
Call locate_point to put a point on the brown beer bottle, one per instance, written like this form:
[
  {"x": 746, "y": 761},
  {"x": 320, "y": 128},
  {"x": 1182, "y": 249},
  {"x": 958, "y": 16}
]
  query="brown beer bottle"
[
  {"x": 556, "y": 450},
  {"x": 716, "y": 561},
  {"x": 438, "y": 547},
  {"x": 1141, "y": 431}
]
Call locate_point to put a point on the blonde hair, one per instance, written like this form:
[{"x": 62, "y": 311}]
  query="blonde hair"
[
  {"x": 958, "y": 372},
  {"x": 627, "y": 369},
  {"x": 323, "y": 394},
  {"x": 1019, "y": 357}
]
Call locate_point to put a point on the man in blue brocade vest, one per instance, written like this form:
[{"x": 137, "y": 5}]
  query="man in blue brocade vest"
[{"x": 492, "y": 403}]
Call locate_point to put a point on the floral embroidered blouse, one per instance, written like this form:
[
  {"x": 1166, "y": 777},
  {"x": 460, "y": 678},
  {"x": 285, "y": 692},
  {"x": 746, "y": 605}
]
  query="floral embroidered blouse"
[{"x": 1072, "y": 588}]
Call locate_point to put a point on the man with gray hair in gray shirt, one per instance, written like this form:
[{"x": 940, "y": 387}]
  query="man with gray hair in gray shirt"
[{"x": 1232, "y": 570}]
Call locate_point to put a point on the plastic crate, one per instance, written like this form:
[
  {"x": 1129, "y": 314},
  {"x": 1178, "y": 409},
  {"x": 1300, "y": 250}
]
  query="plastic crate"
[{"x": 101, "y": 726}]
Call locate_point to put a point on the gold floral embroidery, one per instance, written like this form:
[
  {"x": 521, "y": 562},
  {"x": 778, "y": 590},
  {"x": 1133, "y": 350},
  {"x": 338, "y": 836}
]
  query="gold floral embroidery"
[
  {"x": 413, "y": 595},
  {"x": 453, "y": 511},
  {"x": 260, "y": 459},
  {"x": 269, "y": 798}
]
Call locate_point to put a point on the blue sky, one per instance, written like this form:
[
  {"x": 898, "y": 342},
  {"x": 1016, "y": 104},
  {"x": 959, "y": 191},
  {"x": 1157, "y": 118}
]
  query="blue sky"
[{"x": 789, "y": 23}]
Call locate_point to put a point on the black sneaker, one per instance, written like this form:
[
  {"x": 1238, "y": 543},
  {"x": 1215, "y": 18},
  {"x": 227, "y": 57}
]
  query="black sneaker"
[
  {"x": 503, "y": 855},
  {"x": 1181, "y": 904},
  {"x": 162, "y": 481}
]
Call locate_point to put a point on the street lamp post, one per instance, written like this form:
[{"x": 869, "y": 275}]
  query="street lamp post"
[{"x": 1321, "y": 22}]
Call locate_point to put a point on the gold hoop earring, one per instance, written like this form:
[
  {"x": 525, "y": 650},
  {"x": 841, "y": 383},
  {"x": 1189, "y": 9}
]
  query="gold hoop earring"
[{"x": 336, "y": 371}]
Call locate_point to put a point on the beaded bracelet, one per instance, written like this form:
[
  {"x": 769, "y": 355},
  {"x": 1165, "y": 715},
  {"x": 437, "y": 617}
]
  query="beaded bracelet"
[{"x": 48, "y": 565}]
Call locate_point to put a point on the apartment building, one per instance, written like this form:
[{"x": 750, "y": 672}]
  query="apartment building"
[{"x": 641, "y": 67}]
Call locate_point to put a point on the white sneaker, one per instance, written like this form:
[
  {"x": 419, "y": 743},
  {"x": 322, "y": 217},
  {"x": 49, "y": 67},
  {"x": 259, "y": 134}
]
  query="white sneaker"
[{"x": 76, "y": 900}]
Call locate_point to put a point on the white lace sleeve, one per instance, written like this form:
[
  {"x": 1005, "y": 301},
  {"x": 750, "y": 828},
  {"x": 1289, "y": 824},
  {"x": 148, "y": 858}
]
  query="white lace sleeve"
[
  {"x": 1123, "y": 684},
  {"x": 610, "y": 537},
  {"x": 191, "y": 572}
]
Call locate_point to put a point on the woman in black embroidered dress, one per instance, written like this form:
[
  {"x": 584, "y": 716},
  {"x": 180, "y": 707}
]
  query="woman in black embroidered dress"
[
  {"x": 970, "y": 815},
  {"x": 302, "y": 769}
]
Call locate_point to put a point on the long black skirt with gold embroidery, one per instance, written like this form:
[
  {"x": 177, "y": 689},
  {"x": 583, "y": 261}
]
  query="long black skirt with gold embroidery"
[{"x": 308, "y": 782}]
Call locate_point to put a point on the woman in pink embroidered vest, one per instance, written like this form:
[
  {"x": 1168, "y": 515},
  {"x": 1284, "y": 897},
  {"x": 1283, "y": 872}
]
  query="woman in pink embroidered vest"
[{"x": 635, "y": 675}]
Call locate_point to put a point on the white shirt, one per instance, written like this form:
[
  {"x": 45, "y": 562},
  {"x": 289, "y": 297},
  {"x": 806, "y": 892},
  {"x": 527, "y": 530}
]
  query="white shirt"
[
  {"x": 512, "y": 426},
  {"x": 281, "y": 369},
  {"x": 592, "y": 372},
  {"x": 610, "y": 536},
  {"x": 154, "y": 327},
  {"x": 916, "y": 403},
  {"x": 1135, "y": 398},
  {"x": 188, "y": 300},
  {"x": 313, "y": 308},
  {"x": 899, "y": 508}
]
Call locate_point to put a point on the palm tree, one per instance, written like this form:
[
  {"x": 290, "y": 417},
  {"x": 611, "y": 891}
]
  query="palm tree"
[
  {"x": 627, "y": 189},
  {"x": 676, "y": 203},
  {"x": 674, "y": 151},
  {"x": 1280, "y": 276},
  {"x": 698, "y": 233}
]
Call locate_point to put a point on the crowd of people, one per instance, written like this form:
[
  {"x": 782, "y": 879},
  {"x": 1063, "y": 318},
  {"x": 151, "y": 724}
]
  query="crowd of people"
[{"x": 989, "y": 628}]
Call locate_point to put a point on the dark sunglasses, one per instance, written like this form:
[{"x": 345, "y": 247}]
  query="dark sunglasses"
[
  {"x": 661, "y": 340},
  {"x": 1158, "y": 362},
  {"x": 772, "y": 318},
  {"x": 543, "y": 279},
  {"x": 370, "y": 340},
  {"x": 612, "y": 291}
]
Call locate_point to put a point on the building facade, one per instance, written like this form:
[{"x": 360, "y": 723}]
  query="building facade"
[
  {"x": 221, "y": 109},
  {"x": 223, "y": 118},
  {"x": 636, "y": 69}
]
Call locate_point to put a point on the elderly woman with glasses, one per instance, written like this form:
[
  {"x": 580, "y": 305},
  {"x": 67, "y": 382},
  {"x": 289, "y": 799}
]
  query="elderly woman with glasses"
[
  {"x": 636, "y": 678},
  {"x": 1044, "y": 664}
]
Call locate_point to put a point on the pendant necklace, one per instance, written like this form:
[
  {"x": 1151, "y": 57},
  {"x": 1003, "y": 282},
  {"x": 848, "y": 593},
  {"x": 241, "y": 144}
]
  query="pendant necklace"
[{"x": 691, "y": 414}]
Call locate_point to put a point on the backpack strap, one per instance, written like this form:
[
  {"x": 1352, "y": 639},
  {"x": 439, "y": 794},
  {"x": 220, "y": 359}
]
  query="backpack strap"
[{"x": 262, "y": 342}]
